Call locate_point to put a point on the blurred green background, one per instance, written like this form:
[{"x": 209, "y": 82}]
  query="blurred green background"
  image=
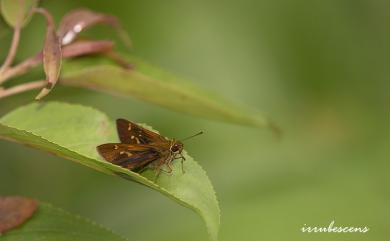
[{"x": 320, "y": 69}]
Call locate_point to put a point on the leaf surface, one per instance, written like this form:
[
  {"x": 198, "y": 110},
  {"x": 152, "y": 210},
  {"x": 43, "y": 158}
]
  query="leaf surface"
[
  {"x": 74, "y": 131},
  {"x": 17, "y": 12},
  {"x": 158, "y": 87},
  {"x": 49, "y": 223}
]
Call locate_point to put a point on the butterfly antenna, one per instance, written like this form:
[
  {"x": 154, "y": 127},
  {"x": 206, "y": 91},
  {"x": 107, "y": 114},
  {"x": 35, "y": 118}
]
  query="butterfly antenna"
[{"x": 197, "y": 134}]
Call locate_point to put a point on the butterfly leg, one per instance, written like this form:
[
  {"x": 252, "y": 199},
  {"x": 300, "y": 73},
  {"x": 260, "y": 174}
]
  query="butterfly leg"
[
  {"x": 159, "y": 168},
  {"x": 145, "y": 168},
  {"x": 182, "y": 165},
  {"x": 182, "y": 162},
  {"x": 169, "y": 165},
  {"x": 182, "y": 157}
]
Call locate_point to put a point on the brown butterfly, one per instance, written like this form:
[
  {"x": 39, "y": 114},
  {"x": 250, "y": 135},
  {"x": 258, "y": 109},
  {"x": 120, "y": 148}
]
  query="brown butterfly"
[{"x": 141, "y": 149}]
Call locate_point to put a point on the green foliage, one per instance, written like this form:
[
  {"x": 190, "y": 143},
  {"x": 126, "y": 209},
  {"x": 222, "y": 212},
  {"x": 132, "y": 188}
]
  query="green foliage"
[
  {"x": 74, "y": 131},
  {"x": 17, "y": 12},
  {"x": 49, "y": 223},
  {"x": 153, "y": 85}
]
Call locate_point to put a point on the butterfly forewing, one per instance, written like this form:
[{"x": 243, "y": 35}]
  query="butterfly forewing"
[
  {"x": 140, "y": 149},
  {"x": 132, "y": 157},
  {"x": 131, "y": 133}
]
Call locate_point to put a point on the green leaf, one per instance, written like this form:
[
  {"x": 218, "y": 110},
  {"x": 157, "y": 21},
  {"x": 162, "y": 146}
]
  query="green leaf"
[
  {"x": 74, "y": 131},
  {"x": 153, "y": 85},
  {"x": 17, "y": 12},
  {"x": 49, "y": 223}
]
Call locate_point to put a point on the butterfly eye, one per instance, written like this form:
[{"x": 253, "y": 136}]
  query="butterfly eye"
[{"x": 175, "y": 148}]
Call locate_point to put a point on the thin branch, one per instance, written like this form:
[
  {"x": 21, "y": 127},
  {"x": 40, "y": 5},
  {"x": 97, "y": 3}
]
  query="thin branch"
[
  {"x": 73, "y": 50},
  {"x": 21, "y": 68},
  {"x": 12, "y": 51},
  {"x": 70, "y": 51},
  {"x": 22, "y": 88}
]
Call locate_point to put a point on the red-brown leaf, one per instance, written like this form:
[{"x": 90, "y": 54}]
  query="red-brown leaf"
[
  {"x": 77, "y": 20},
  {"x": 14, "y": 211},
  {"x": 80, "y": 48}
]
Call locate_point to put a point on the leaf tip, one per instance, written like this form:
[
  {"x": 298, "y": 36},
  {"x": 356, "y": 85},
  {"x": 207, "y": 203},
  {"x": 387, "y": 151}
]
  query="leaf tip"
[
  {"x": 45, "y": 91},
  {"x": 14, "y": 211}
]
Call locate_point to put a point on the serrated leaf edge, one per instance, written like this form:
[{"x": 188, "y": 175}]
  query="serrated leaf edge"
[{"x": 144, "y": 180}]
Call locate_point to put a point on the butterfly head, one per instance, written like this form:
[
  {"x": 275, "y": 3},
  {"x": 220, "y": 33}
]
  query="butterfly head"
[{"x": 176, "y": 147}]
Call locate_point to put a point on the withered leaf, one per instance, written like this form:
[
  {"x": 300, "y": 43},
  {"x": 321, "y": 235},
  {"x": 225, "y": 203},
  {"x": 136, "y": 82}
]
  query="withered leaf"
[
  {"x": 80, "y": 48},
  {"x": 52, "y": 55},
  {"x": 77, "y": 20},
  {"x": 14, "y": 211}
]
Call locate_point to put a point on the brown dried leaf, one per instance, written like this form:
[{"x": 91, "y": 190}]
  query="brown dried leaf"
[
  {"x": 104, "y": 47},
  {"x": 87, "y": 47},
  {"x": 52, "y": 55},
  {"x": 14, "y": 211},
  {"x": 77, "y": 20}
]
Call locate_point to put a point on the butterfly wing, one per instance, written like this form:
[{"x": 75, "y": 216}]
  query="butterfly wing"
[
  {"x": 132, "y": 157},
  {"x": 131, "y": 133}
]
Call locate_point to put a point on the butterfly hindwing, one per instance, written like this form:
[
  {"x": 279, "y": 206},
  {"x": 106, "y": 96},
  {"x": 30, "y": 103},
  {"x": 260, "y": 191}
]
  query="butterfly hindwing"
[
  {"x": 131, "y": 133},
  {"x": 132, "y": 157}
]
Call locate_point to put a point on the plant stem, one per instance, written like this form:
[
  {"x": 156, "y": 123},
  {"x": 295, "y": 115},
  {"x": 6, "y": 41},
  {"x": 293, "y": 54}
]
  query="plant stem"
[
  {"x": 12, "y": 51},
  {"x": 22, "y": 88},
  {"x": 21, "y": 68}
]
